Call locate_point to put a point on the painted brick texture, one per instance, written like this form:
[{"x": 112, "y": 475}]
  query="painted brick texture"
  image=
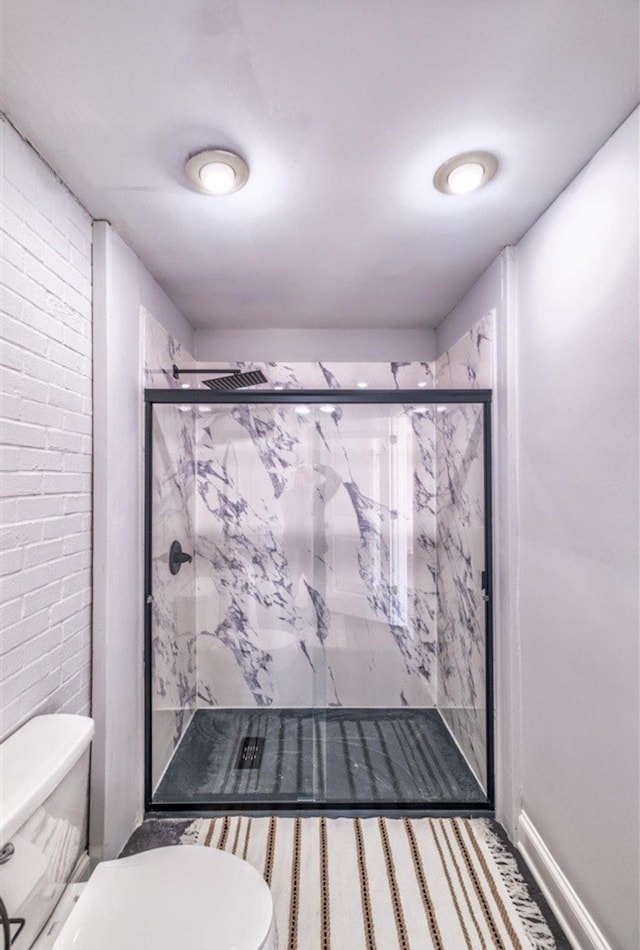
[{"x": 45, "y": 440}]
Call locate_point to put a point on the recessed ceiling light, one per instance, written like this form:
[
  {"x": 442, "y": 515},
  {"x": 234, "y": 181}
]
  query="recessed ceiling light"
[
  {"x": 362, "y": 385},
  {"x": 303, "y": 410},
  {"x": 218, "y": 178},
  {"x": 278, "y": 386},
  {"x": 327, "y": 408},
  {"x": 216, "y": 172},
  {"x": 185, "y": 385},
  {"x": 421, "y": 385},
  {"x": 465, "y": 173}
]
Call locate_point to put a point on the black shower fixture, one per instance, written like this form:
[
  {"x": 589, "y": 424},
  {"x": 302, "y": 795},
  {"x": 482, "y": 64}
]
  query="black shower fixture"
[
  {"x": 178, "y": 557},
  {"x": 238, "y": 381},
  {"x": 229, "y": 378}
]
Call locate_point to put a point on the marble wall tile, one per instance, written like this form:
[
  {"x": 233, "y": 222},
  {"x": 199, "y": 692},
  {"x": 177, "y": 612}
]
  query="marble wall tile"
[
  {"x": 468, "y": 364},
  {"x": 347, "y": 375},
  {"x": 316, "y": 556}
]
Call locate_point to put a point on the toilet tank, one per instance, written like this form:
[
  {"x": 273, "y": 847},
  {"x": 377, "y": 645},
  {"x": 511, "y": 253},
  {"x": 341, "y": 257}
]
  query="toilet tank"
[{"x": 44, "y": 789}]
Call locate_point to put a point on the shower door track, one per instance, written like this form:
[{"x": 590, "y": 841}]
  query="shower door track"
[{"x": 324, "y": 396}]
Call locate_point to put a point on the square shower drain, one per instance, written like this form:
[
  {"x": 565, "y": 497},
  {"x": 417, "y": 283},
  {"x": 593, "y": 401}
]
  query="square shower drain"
[{"x": 250, "y": 755}]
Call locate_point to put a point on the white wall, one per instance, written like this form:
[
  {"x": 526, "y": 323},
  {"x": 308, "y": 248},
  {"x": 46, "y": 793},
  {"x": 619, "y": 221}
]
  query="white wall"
[
  {"x": 301, "y": 346},
  {"x": 122, "y": 287},
  {"x": 46, "y": 440},
  {"x": 566, "y": 527},
  {"x": 482, "y": 298},
  {"x": 578, "y": 306}
]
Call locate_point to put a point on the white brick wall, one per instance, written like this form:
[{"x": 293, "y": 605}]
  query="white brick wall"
[{"x": 45, "y": 440}]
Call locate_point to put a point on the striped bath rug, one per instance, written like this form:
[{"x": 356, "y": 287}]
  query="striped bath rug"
[{"x": 384, "y": 884}]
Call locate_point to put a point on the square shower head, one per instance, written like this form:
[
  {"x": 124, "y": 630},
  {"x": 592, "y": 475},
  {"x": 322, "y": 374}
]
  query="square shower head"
[{"x": 237, "y": 381}]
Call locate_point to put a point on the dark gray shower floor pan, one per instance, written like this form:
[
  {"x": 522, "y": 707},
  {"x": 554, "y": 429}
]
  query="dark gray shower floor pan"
[{"x": 364, "y": 757}]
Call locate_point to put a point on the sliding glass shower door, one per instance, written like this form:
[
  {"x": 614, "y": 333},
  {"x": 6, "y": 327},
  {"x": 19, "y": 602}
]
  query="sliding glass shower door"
[{"x": 326, "y": 642}]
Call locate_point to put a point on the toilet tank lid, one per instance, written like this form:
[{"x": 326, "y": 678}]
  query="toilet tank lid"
[{"x": 33, "y": 762}]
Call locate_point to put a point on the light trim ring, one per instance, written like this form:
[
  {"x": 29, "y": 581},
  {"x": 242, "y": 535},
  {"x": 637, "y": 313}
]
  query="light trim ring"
[
  {"x": 195, "y": 163},
  {"x": 488, "y": 161}
]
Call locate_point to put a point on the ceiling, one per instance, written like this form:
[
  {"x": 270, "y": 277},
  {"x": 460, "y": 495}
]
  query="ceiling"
[{"x": 343, "y": 109}]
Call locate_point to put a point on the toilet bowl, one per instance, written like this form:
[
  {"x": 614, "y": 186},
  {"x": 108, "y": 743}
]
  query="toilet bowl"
[{"x": 187, "y": 897}]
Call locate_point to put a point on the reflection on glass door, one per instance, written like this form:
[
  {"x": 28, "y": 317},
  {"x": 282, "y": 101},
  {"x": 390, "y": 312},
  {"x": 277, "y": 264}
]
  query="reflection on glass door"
[{"x": 326, "y": 644}]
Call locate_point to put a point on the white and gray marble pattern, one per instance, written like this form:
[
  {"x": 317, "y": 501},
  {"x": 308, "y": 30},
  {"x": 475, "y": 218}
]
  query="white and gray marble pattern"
[{"x": 314, "y": 588}]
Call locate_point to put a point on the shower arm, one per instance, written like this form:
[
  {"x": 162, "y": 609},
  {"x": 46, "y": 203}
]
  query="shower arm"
[{"x": 226, "y": 372}]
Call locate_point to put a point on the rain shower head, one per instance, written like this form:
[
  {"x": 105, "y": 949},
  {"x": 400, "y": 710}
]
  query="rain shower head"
[
  {"x": 228, "y": 380},
  {"x": 237, "y": 381}
]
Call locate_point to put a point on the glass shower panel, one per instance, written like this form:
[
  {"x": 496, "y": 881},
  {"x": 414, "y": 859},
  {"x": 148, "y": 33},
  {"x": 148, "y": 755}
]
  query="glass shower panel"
[
  {"x": 378, "y": 561},
  {"x": 173, "y": 697},
  {"x": 258, "y": 669},
  {"x": 378, "y": 557},
  {"x": 323, "y": 646}
]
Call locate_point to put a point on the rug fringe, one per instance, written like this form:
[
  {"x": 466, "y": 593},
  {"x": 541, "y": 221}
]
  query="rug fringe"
[{"x": 528, "y": 911}]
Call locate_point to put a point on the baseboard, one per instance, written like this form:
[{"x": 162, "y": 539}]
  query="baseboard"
[{"x": 574, "y": 918}]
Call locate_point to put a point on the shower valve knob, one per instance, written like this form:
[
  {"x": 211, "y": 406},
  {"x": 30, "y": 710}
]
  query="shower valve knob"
[{"x": 177, "y": 557}]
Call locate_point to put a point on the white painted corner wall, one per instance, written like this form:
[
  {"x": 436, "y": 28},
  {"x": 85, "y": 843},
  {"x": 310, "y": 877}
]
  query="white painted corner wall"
[
  {"x": 122, "y": 288},
  {"x": 579, "y": 533},
  {"x": 567, "y": 528},
  {"x": 484, "y": 296},
  {"x": 116, "y": 762}
]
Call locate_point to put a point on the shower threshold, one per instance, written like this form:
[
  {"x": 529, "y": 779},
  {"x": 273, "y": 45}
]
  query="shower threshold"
[{"x": 336, "y": 757}]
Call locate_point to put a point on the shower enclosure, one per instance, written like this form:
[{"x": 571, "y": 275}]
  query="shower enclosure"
[{"x": 318, "y": 599}]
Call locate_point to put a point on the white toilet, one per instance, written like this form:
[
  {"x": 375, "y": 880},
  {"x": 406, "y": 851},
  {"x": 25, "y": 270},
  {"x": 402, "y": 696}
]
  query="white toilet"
[{"x": 192, "y": 897}]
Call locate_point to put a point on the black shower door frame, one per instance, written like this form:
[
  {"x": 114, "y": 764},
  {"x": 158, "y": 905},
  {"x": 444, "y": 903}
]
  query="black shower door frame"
[{"x": 155, "y": 397}]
